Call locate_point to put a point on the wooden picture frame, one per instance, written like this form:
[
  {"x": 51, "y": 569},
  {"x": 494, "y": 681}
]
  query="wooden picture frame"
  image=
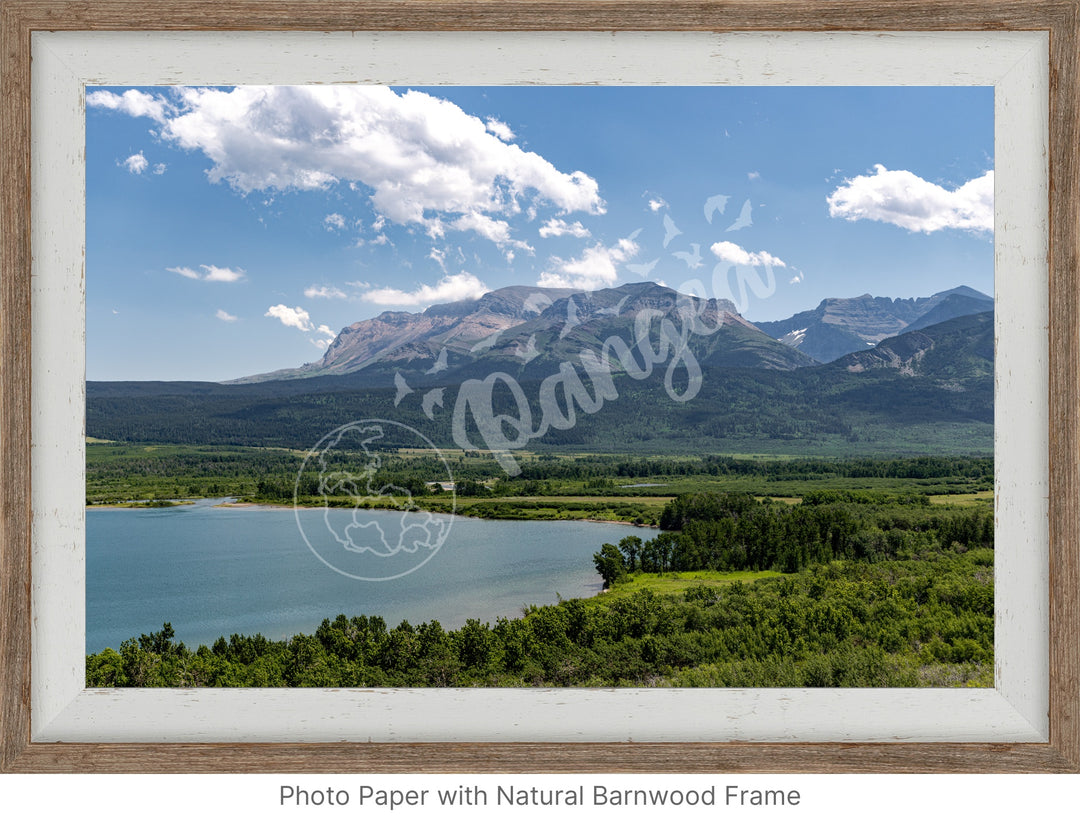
[{"x": 19, "y": 19}]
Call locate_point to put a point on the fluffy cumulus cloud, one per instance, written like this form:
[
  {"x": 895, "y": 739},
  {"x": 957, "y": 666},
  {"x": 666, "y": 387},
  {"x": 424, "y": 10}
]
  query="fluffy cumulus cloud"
[
  {"x": 209, "y": 273},
  {"x": 326, "y": 337},
  {"x": 135, "y": 164},
  {"x": 422, "y": 159},
  {"x": 132, "y": 102},
  {"x": 225, "y": 316},
  {"x": 733, "y": 254},
  {"x": 558, "y": 227},
  {"x": 902, "y": 198},
  {"x": 500, "y": 130},
  {"x": 301, "y": 320},
  {"x": 452, "y": 288},
  {"x": 495, "y": 230},
  {"x": 291, "y": 317},
  {"x": 221, "y": 274},
  {"x": 334, "y": 221},
  {"x": 596, "y": 268}
]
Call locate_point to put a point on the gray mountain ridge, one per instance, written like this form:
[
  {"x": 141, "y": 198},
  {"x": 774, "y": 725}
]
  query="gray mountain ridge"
[
  {"x": 526, "y": 330},
  {"x": 838, "y": 326},
  {"x": 514, "y": 326}
]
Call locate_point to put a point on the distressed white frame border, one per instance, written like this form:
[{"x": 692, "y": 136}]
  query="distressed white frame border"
[{"x": 1015, "y": 63}]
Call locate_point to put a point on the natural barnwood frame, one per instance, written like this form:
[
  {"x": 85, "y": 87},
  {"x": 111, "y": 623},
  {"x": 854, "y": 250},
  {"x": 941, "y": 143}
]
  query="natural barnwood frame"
[{"x": 1060, "y": 18}]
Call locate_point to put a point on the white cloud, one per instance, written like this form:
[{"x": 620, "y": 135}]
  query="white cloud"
[
  {"x": 210, "y": 273},
  {"x": 500, "y": 130},
  {"x": 657, "y": 203},
  {"x": 438, "y": 256},
  {"x": 328, "y": 336},
  {"x": 558, "y": 227},
  {"x": 595, "y": 269},
  {"x": 221, "y": 274},
  {"x": 324, "y": 292},
  {"x": 136, "y": 163},
  {"x": 495, "y": 230},
  {"x": 797, "y": 278},
  {"x": 334, "y": 221},
  {"x": 301, "y": 320},
  {"x": 419, "y": 155},
  {"x": 448, "y": 289},
  {"x": 186, "y": 272},
  {"x": 753, "y": 176},
  {"x": 225, "y": 316},
  {"x": 132, "y": 102},
  {"x": 379, "y": 240},
  {"x": 291, "y": 317},
  {"x": 733, "y": 254},
  {"x": 902, "y": 198},
  {"x": 360, "y": 285},
  {"x": 159, "y": 169}
]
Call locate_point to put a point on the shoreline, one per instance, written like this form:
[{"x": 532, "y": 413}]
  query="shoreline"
[{"x": 238, "y": 504}]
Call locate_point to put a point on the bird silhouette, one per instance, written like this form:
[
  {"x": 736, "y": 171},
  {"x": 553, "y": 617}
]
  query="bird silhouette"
[
  {"x": 614, "y": 309},
  {"x": 432, "y": 398},
  {"x": 693, "y": 260},
  {"x": 486, "y": 343},
  {"x": 715, "y": 204},
  {"x": 744, "y": 218},
  {"x": 536, "y": 303},
  {"x": 402, "y": 387},
  {"x": 527, "y": 352},
  {"x": 670, "y": 230},
  {"x": 440, "y": 363},
  {"x": 572, "y": 320},
  {"x": 643, "y": 270}
]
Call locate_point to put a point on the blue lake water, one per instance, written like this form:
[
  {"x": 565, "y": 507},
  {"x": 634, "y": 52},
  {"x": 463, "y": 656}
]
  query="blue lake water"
[{"x": 212, "y": 571}]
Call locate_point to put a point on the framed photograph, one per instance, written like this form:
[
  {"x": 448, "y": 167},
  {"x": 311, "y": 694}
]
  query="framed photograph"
[{"x": 81, "y": 85}]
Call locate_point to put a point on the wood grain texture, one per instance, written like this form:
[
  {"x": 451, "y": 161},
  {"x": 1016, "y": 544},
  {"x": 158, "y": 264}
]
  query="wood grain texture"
[
  {"x": 14, "y": 386},
  {"x": 1065, "y": 388},
  {"x": 543, "y": 758},
  {"x": 18, "y": 18},
  {"x": 548, "y": 15}
]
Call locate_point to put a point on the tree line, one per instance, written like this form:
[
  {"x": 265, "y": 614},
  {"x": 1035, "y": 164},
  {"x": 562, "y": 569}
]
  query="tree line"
[
  {"x": 925, "y": 621},
  {"x": 731, "y": 532}
]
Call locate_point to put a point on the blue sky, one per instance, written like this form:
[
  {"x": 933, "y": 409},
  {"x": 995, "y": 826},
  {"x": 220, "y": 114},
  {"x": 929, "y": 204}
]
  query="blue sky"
[{"x": 234, "y": 231}]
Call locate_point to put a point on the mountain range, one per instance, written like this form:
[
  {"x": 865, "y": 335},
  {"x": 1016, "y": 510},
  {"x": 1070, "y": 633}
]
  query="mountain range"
[
  {"x": 842, "y": 326},
  {"x": 862, "y": 375},
  {"x": 526, "y": 329}
]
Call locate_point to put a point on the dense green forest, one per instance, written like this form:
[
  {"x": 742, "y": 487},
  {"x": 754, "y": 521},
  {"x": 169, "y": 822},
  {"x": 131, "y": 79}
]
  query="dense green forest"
[
  {"x": 823, "y": 410},
  {"x": 118, "y": 472},
  {"x": 730, "y": 532},
  {"x": 926, "y": 620},
  {"x": 866, "y": 588}
]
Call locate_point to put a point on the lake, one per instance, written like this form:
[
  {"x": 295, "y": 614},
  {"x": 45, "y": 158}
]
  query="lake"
[{"x": 212, "y": 571}]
